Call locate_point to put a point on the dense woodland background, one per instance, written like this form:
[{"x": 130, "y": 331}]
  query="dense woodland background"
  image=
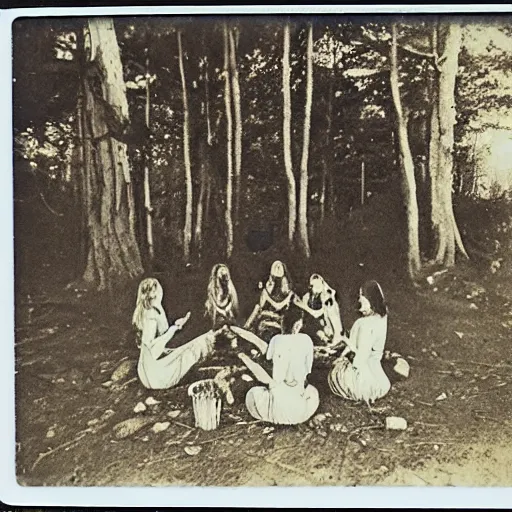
[{"x": 345, "y": 139}]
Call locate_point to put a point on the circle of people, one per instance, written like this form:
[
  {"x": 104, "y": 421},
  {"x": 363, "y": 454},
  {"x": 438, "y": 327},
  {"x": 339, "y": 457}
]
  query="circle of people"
[{"x": 282, "y": 328}]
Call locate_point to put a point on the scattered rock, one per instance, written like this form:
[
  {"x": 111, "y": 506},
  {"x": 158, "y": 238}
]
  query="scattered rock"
[
  {"x": 151, "y": 401},
  {"x": 459, "y": 334},
  {"x": 267, "y": 430},
  {"x": 160, "y": 427},
  {"x": 441, "y": 397},
  {"x": 192, "y": 450},
  {"x": 107, "y": 384},
  {"x": 396, "y": 423},
  {"x": 128, "y": 427},
  {"x": 402, "y": 367},
  {"x": 384, "y": 469},
  {"x": 140, "y": 407},
  {"x": 173, "y": 414},
  {"x": 473, "y": 306},
  {"x": 122, "y": 371},
  {"x": 107, "y": 414},
  {"x": 50, "y": 433},
  {"x": 247, "y": 378}
]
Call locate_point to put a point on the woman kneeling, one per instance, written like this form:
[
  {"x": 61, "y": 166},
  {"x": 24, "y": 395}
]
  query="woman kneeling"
[{"x": 362, "y": 377}]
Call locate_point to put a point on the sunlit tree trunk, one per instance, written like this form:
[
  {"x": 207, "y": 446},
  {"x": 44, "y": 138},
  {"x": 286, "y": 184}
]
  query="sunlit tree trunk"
[
  {"x": 205, "y": 188},
  {"x": 113, "y": 253},
  {"x": 147, "y": 190},
  {"x": 446, "y": 233},
  {"x": 303, "y": 234},
  {"x": 238, "y": 123},
  {"x": 287, "y": 143},
  {"x": 229, "y": 147},
  {"x": 406, "y": 165},
  {"x": 187, "y": 230}
]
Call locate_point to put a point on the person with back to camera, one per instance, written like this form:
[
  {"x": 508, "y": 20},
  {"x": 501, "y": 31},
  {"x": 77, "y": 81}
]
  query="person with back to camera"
[
  {"x": 362, "y": 378},
  {"x": 286, "y": 397}
]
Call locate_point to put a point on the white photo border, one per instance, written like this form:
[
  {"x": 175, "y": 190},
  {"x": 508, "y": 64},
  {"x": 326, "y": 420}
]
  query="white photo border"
[{"x": 279, "y": 497}]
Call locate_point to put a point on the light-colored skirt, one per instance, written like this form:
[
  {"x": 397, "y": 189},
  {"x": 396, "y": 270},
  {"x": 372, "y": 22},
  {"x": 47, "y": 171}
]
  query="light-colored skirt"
[
  {"x": 168, "y": 371},
  {"x": 367, "y": 383},
  {"x": 282, "y": 404}
]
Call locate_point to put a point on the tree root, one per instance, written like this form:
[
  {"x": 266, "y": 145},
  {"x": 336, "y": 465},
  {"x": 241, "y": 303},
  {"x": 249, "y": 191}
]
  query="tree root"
[{"x": 60, "y": 447}]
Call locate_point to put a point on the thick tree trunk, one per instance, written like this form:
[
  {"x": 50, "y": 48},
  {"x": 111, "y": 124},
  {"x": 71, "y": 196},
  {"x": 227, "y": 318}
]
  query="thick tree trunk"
[
  {"x": 229, "y": 148},
  {"x": 287, "y": 143},
  {"x": 406, "y": 166},
  {"x": 303, "y": 234},
  {"x": 238, "y": 124},
  {"x": 187, "y": 229},
  {"x": 444, "y": 226},
  {"x": 113, "y": 254}
]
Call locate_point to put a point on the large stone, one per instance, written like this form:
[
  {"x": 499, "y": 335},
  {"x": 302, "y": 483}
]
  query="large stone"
[
  {"x": 123, "y": 371},
  {"x": 402, "y": 367},
  {"x": 132, "y": 425}
]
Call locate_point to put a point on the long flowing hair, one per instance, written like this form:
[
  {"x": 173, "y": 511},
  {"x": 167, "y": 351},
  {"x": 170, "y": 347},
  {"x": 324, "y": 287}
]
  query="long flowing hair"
[
  {"x": 286, "y": 282},
  {"x": 215, "y": 292},
  {"x": 373, "y": 292},
  {"x": 146, "y": 294}
]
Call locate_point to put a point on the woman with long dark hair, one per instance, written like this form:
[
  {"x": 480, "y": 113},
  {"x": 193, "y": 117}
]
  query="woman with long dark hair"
[
  {"x": 361, "y": 377},
  {"x": 275, "y": 298}
]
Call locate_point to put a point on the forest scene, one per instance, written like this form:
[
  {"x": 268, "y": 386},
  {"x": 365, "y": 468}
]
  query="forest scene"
[{"x": 197, "y": 150}]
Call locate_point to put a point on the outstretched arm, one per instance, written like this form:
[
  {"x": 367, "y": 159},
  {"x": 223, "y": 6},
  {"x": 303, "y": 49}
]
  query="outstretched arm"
[
  {"x": 258, "y": 371},
  {"x": 251, "y": 338},
  {"x": 302, "y": 304},
  {"x": 252, "y": 318},
  {"x": 156, "y": 344}
]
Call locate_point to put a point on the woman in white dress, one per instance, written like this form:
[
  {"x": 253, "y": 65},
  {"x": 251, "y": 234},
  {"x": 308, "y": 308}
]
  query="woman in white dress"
[
  {"x": 362, "y": 378},
  {"x": 285, "y": 398},
  {"x": 160, "y": 367}
]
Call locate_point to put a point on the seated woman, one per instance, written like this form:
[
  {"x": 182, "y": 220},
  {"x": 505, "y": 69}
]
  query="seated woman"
[
  {"x": 363, "y": 378},
  {"x": 322, "y": 320},
  {"x": 222, "y": 300},
  {"x": 160, "y": 367},
  {"x": 275, "y": 297},
  {"x": 286, "y": 398}
]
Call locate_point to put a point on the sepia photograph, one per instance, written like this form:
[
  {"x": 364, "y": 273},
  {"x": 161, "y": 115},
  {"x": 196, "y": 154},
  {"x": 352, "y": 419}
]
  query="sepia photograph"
[{"x": 263, "y": 250}]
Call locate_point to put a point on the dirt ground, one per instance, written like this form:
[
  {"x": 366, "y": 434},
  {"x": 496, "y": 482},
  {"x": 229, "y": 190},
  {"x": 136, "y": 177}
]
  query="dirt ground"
[{"x": 455, "y": 335}]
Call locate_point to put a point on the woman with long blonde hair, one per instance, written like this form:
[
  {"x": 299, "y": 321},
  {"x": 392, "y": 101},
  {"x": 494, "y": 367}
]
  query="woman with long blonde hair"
[
  {"x": 222, "y": 299},
  {"x": 160, "y": 367}
]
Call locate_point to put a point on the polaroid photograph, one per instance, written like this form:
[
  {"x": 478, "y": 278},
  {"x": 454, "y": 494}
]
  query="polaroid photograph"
[{"x": 262, "y": 256}]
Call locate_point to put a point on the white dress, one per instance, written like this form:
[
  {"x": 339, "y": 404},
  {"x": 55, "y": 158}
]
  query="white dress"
[
  {"x": 363, "y": 379},
  {"x": 287, "y": 401},
  {"x": 157, "y": 372}
]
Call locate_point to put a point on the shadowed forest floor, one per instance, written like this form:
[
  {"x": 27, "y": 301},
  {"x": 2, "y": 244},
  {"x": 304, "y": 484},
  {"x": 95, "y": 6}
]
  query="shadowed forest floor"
[{"x": 456, "y": 339}]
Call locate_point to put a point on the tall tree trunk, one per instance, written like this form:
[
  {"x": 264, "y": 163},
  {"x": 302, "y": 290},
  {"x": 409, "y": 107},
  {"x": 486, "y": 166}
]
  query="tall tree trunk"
[
  {"x": 205, "y": 188},
  {"x": 229, "y": 147},
  {"x": 406, "y": 166},
  {"x": 446, "y": 232},
  {"x": 287, "y": 142},
  {"x": 327, "y": 186},
  {"x": 238, "y": 124},
  {"x": 303, "y": 233},
  {"x": 147, "y": 191},
  {"x": 187, "y": 229},
  {"x": 113, "y": 254}
]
